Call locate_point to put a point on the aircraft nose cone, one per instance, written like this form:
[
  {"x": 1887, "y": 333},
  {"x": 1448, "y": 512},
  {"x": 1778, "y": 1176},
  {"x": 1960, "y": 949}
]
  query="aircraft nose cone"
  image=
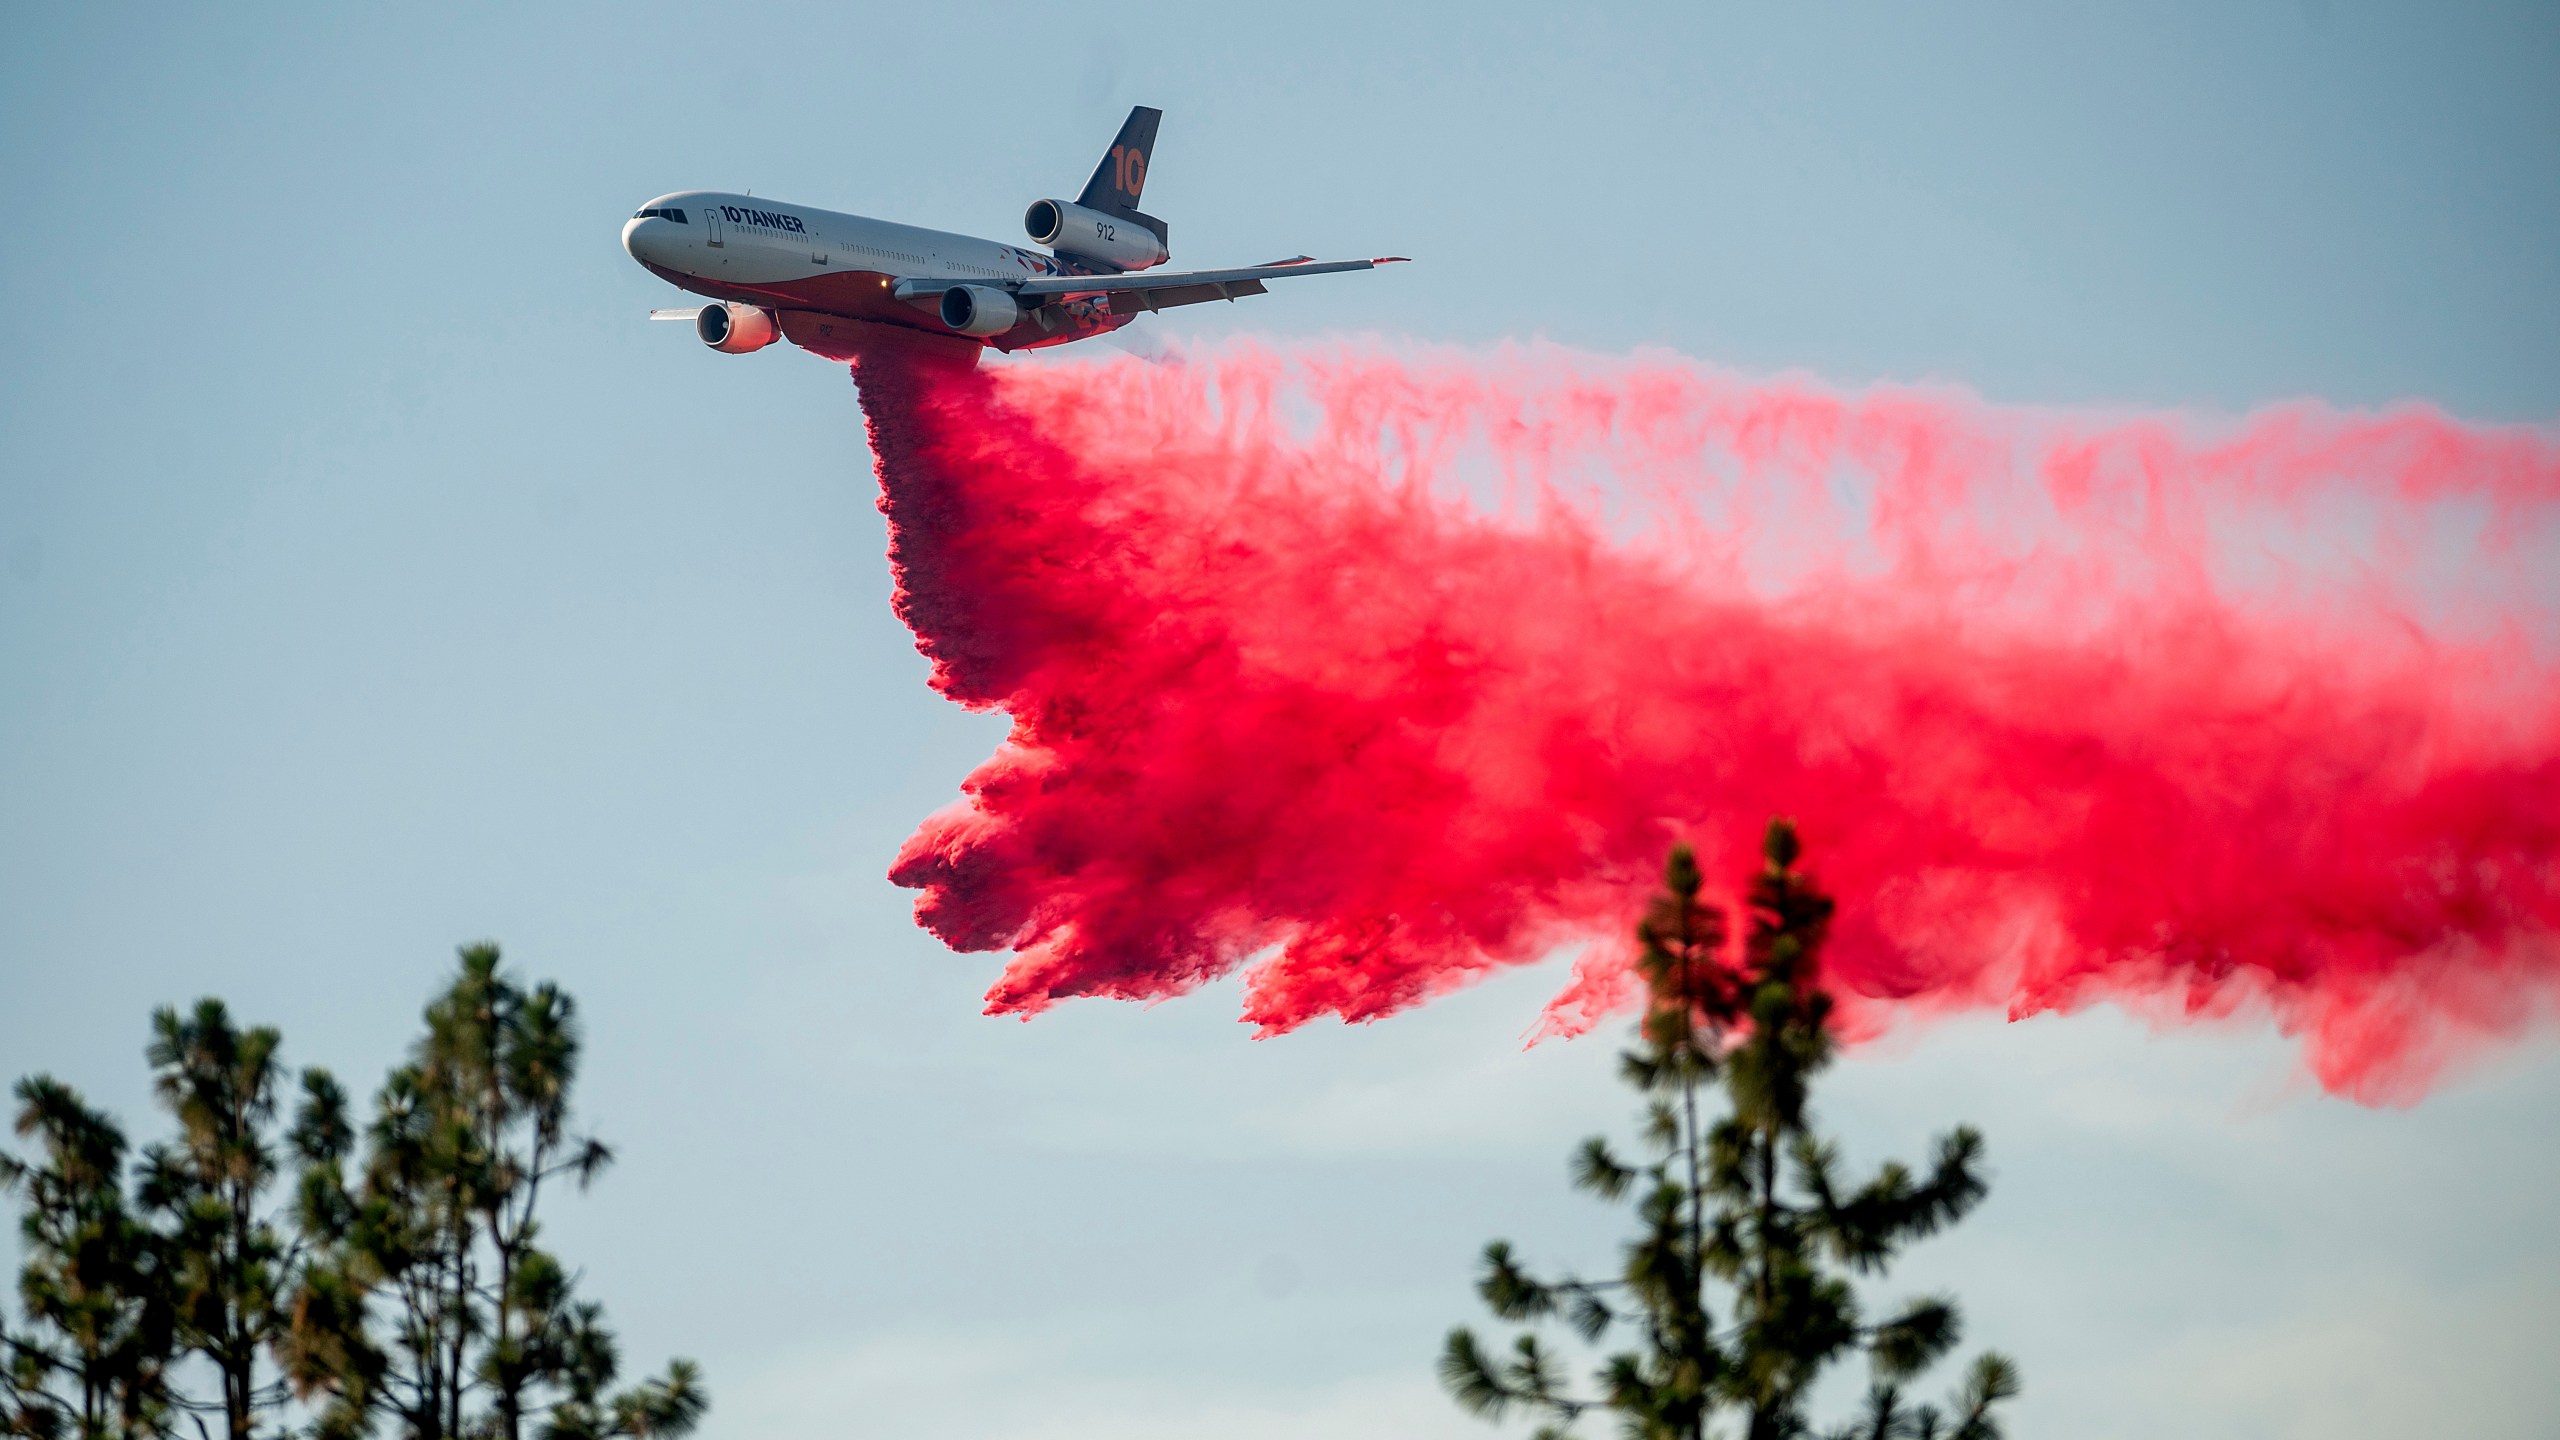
[{"x": 636, "y": 236}]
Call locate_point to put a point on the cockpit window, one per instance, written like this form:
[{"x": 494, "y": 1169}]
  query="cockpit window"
[{"x": 666, "y": 213}]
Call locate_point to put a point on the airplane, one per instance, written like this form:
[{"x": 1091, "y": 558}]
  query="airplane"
[{"x": 831, "y": 283}]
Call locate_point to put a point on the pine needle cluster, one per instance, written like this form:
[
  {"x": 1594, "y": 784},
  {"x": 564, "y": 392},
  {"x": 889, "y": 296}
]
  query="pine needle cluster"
[
  {"x": 398, "y": 1281},
  {"x": 1738, "y": 1290}
]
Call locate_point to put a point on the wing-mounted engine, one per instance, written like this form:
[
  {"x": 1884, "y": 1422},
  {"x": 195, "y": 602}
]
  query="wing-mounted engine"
[
  {"x": 735, "y": 329},
  {"x": 979, "y": 310},
  {"x": 1122, "y": 242}
]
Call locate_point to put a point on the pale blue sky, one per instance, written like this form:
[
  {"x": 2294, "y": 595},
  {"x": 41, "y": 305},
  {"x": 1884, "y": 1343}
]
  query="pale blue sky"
[{"x": 373, "y": 577}]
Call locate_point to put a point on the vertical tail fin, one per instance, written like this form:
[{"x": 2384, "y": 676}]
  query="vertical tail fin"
[{"x": 1122, "y": 174}]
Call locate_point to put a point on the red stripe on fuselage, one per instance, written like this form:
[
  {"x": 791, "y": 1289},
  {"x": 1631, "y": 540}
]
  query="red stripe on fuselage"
[{"x": 864, "y": 295}]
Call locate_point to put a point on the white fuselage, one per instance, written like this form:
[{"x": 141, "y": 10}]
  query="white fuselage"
[{"x": 793, "y": 258}]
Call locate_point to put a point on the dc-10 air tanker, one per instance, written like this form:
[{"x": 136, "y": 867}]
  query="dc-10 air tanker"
[{"x": 829, "y": 282}]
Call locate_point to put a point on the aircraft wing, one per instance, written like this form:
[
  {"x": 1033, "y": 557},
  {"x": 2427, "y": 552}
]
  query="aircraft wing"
[
  {"x": 1155, "y": 289},
  {"x": 1184, "y": 279}
]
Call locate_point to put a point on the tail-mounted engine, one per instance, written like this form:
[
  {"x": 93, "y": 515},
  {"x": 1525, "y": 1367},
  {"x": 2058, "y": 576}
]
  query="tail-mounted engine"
[
  {"x": 735, "y": 329},
  {"x": 1121, "y": 241}
]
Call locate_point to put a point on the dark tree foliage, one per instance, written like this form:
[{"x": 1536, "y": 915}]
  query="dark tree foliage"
[
  {"x": 1747, "y": 1210},
  {"x": 226, "y": 1263},
  {"x": 403, "y": 1286},
  {"x": 429, "y": 1299},
  {"x": 92, "y": 1363}
]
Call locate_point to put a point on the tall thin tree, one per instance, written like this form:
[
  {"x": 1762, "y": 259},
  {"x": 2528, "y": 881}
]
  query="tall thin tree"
[
  {"x": 92, "y": 1362},
  {"x": 481, "y": 1330},
  {"x": 228, "y": 1264},
  {"x": 1751, "y": 1204}
]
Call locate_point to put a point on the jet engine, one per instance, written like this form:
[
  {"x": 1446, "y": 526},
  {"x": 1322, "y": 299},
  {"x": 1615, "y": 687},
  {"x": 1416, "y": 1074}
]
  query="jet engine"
[
  {"x": 978, "y": 310},
  {"x": 1111, "y": 239},
  {"x": 735, "y": 329}
]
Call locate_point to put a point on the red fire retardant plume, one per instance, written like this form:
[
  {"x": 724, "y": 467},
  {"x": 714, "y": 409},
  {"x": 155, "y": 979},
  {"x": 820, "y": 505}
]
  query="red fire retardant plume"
[{"x": 1374, "y": 670}]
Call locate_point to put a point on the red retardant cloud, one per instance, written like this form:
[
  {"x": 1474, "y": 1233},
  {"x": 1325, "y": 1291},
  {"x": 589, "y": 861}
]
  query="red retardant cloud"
[{"x": 1374, "y": 670}]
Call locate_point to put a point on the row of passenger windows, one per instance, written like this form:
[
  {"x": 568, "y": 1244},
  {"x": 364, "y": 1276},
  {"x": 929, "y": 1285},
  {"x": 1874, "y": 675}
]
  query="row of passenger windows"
[{"x": 669, "y": 212}]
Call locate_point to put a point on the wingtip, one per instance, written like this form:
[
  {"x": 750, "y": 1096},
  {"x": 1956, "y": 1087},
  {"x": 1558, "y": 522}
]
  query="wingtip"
[{"x": 1393, "y": 260}]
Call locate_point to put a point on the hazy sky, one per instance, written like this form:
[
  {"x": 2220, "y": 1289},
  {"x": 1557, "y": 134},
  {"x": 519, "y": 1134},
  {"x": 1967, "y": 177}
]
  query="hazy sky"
[{"x": 374, "y": 578}]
